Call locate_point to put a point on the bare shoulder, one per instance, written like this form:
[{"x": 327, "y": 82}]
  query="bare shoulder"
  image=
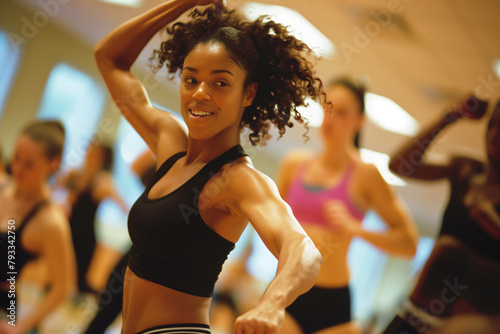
[
  {"x": 243, "y": 179},
  {"x": 366, "y": 170},
  {"x": 51, "y": 219},
  {"x": 367, "y": 175},
  {"x": 290, "y": 164}
]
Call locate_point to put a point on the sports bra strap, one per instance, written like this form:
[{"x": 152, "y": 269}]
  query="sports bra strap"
[
  {"x": 165, "y": 166},
  {"x": 230, "y": 155},
  {"x": 33, "y": 212}
]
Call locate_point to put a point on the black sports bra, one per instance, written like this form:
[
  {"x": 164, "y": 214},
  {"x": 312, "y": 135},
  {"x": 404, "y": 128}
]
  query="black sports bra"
[
  {"x": 171, "y": 244},
  {"x": 10, "y": 244}
]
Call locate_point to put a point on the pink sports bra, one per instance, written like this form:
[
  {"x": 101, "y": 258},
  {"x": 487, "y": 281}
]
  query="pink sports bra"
[{"x": 307, "y": 204}]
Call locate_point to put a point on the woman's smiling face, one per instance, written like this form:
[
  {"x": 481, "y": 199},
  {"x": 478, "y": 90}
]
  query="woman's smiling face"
[{"x": 212, "y": 91}]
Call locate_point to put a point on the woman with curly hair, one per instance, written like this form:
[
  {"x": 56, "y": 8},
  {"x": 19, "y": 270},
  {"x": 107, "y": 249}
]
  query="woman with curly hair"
[{"x": 234, "y": 74}]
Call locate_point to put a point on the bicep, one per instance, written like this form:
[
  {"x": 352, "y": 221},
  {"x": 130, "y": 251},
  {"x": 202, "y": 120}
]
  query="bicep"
[
  {"x": 423, "y": 171},
  {"x": 270, "y": 215}
]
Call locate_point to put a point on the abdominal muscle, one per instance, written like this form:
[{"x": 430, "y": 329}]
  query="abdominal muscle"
[
  {"x": 334, "y": 271},
  {"x": 147, "y": 304}
]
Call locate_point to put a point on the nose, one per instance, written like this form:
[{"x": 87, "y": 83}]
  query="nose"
[{"x": 202, "y": 92}]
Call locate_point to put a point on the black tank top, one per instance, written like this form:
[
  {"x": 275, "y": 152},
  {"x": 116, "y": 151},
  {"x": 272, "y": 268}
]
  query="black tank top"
[
  {"x": 171, "y": 244},
  {"x": 83, "y": 212},
  {"x": 458, "y": 223},
  {"x": 21, "y": 256}
]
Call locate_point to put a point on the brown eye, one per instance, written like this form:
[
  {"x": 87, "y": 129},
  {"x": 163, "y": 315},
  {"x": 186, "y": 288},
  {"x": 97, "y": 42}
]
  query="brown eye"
[{"x": 221, "y": 84}]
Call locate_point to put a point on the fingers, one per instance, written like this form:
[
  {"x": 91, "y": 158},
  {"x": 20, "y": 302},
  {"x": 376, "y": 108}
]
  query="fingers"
[{"x": 253, "y": 327}]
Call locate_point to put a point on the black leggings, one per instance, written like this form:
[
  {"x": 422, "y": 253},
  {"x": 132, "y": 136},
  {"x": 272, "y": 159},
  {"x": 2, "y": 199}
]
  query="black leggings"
[
  {"x": 110, "y": 299},
  {"x": 320, "y": 308}
]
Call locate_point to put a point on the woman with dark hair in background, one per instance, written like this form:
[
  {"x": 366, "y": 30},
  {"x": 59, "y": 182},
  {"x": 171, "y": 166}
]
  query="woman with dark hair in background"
[
  {"x": 329, "y": 193},
  {"x": 234, "y": 74},
  {"x": 31, "y": 226},
  {"x": 110, "y": 298},
  {"x": 462, "y": 274},
  {"x": 87, "y": 188}
]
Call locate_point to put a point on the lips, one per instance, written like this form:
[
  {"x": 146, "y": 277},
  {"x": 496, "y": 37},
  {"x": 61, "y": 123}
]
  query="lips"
[{"x": 200, "y": 113}]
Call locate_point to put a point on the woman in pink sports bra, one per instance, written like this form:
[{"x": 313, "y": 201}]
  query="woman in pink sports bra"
[{"x": 329, "y": 193}]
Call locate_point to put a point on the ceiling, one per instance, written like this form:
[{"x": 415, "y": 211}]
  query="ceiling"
[{"x": 424, "y": 55}]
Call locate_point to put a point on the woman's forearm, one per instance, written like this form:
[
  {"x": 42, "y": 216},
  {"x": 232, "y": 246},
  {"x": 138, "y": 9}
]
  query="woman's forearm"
[
  {"x": 298, "y": 267},
  {"x": 395, "y": 241},
  {"x": 124, "y": 44},
  {"x": 412, "y": 152}
]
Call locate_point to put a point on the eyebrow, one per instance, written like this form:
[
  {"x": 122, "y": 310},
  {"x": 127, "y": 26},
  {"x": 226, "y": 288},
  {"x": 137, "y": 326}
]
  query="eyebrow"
[{"x": 194, "y": 70}]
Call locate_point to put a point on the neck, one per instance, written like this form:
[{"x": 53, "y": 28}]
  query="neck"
[
  {"x": 203, "y": 151},
  {"x": 33, "y": 193},
  {"x": 336, "y": 156}
]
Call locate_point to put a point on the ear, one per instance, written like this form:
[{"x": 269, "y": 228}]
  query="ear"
[{"x": 249, "y": 94}]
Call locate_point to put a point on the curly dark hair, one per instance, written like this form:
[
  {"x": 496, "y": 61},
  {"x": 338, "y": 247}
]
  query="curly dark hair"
[{"x": 271, "y": 56}]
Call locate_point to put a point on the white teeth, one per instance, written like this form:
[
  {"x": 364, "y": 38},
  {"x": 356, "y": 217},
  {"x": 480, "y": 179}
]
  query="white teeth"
[{"x": 200, "y": 112}]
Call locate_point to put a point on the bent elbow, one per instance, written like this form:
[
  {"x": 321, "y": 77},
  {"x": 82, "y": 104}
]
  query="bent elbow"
[
  {"x": 314, "y": 260},
  {"x": 411, "y": 245},
  {"x": 318, "y": 260}
]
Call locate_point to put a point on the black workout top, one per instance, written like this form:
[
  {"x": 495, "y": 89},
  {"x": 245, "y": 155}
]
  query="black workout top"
[
  {"x": 83, "y": 211},
  {"x": 458, "y": 223},
  {"x": 21, "y": 255},
  {"x": 171, "y": 244}
]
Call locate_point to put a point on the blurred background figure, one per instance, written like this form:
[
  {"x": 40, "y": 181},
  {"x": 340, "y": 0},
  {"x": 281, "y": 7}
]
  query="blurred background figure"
[
  {"x": 462, "y": 274},
  {"x": 87, "y": 187},
  {"x": 237, "y": 290},
  {"x": 4, "y": 177},
  {"x": 330, "y": 192},
  {"x": 110, "y": 298},
  {"x": 31, "y": 226}
]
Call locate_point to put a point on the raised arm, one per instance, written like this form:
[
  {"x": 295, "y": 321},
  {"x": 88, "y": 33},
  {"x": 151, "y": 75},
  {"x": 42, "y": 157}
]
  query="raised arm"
[
  {"x": 116, "y": 53},
  {"x": 298, "y": 259},
  {"x": 409, "y": 160}
]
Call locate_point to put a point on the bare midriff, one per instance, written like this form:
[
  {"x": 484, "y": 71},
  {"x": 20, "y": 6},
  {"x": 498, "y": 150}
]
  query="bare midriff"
[
  {"x": 334, "y": 271},
  {"x": 147, "y": 304}
]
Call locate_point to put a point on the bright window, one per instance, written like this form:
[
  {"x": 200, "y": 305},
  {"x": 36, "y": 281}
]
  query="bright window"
[
  {"x": 77, "y": 101},
  {"x": 9, "y": 61}
]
